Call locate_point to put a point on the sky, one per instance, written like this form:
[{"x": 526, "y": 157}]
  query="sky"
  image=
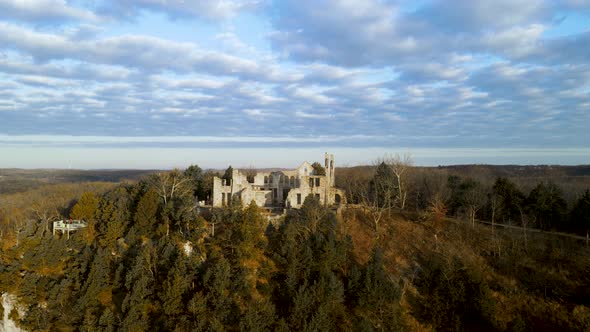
[{"x": 263, "y": 83}]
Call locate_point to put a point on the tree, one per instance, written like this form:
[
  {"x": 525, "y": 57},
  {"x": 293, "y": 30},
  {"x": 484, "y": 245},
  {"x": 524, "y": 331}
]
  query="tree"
[
  {"x": 473, "y": 198},
  {"x": 546, "y": 204},
  {"x": 173, "y": 188},
  {"x": 196, "y": 177},
  {"x": 318, "y": 169},
  {"x": 146, "y": 214},
  {"x": 510, "y": 199},
  {"x": 46, "y": 210},
  {"x": 169, "y": 185},
  {"x": 86, "y": 209},
  {"x": 228, "y": 175},
  {"x": 455, "y": 194},
  {"x": 114, "y": 217},
  {"x": 208, "y": 183},
  {"x": 580, "y": 214},
  {"x": 250, "y": 173},
  {"x": 401, "y": 166},
  {"x": 380, "y": 194}
]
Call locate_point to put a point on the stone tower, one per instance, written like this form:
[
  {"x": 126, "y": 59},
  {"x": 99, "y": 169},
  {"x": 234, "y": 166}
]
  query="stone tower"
[{"x": 329, "y": 166}]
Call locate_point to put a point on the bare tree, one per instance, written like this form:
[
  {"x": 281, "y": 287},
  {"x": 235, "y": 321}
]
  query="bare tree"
[
  {"x": 474, "y": 201},
  {"x": 250, "y": 173},
  {"x": 375, "y": 207},
  {"x": 45, "y": 209},
  {"x": 526, "y": 222},
  {"x": 352, "y": 180},
  {"x": 169, "y": 185},
  {"x": 401, "y": 165}
]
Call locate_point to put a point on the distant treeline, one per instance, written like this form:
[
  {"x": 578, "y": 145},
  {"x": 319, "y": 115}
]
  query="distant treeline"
[
  {"x": 544, "y": 197},
  {"x": 19, "y": 180}
]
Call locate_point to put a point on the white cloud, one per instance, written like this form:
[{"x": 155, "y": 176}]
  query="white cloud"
[
  {"x": 55, "y": 11},
  {"x": 136, "y": 51},
  {"x": 220, "y": 9}
]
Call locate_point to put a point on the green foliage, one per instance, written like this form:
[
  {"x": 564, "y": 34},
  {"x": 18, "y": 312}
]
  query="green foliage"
[
  {"x": 546, "y": 205},
  {"x": 318, "y": 169},
  {"x": 510, "y": 200},
  {"x": 86, "y": 207},
  {"x": 382, "y": 190},
  {"x": 375, "y": 295},
  {"x": 147, "y": 213},
  {"x": 228, "y": 174},
  {"x": 300, "y": 274},
  {"x": 452, "y": 295},
  {"x": 197, "y": 179},
  {"x": 580, "y": 215},
  {"x": 461, "y": 193}
]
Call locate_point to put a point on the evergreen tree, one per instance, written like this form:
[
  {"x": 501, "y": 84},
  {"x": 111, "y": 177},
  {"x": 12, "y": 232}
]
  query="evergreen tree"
[
  {"x": 579, "y": 219},
  {"x": 86, "y": 207},
  {"x": 318, "y": 169},
  {"x": 510, "y": 200},
  {"x": 197, "y": 177},
  {"x": 228, "y": 174},
  {"x": 382, "y": 186},
  {"x": 546, "y": 204}
]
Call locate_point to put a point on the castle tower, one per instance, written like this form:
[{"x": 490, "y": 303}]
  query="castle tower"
[{"x": 329, "y": 166}]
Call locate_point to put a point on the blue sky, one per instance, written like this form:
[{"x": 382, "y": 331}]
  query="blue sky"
[{"x": 167, "y": 83}]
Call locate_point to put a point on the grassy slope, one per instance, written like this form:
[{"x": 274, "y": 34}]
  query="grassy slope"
[{"x": 545, "y": 283}]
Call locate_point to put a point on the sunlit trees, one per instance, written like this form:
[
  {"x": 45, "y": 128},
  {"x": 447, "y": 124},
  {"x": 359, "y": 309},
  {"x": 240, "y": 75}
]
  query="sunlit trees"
[
  {"x": 170, "y": 185},
  {"x": 401, "y": 166},
  {"x": 86, "y": 209},
  {"x": 147, "y": 214},
  {"x": 196, "y": 178}
]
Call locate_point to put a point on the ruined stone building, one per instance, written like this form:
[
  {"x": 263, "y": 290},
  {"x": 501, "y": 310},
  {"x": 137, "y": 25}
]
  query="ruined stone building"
[{"x": 279, "y": 189}]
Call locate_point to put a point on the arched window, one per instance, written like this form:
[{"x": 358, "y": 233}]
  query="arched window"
[
  {"x": 292, "y": 181},
  {"x": 266, "y": 179}
]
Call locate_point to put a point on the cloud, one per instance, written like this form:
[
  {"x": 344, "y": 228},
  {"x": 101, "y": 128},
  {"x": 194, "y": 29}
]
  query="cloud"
[
  {"x": 44, "y": 11},
  {"x": 76, "y": 71},
  {"x": 135, "y": 51},
  {"x": 214, "y": 10},
  {"x": 386, "y": 34},
  {"x": 476, "y": 16},
  {"x": 477, "y": 73}
]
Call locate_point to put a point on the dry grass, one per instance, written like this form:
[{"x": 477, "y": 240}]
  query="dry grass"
[{"x": 539, "y": 280}]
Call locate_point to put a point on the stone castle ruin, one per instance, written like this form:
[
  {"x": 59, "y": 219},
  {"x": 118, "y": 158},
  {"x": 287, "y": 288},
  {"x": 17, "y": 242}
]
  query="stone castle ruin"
[{"x": 280, "y": 189}]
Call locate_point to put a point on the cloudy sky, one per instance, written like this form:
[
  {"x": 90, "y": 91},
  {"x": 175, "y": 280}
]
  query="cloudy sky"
[{"x": 166, "y": 83}]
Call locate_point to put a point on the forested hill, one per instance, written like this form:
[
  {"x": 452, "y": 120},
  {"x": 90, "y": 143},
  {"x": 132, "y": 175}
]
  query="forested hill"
[
  {"x": 13, "y": 180},
  {"x": 548, "y": 171},
  {"x": 149, "y": 260}
]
